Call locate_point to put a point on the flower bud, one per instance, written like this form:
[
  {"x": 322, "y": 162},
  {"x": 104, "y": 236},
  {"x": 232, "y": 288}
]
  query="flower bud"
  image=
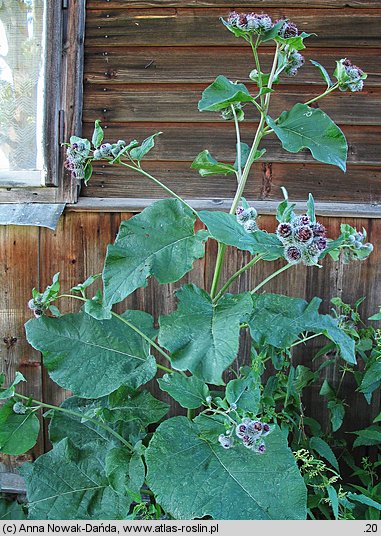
[
  {"x": 303, "y": 234},
  {"x": 292, "y": 254},
  {"x": 250, "y": 226},
  {"x": 225, "y": 441},
  {"x": 19, "y": 408},
  {"x": 284, "y": 231}
]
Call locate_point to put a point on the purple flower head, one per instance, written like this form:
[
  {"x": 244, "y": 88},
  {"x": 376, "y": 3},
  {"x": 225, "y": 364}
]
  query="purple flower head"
[
  {"x": 288, "y": 29},
  {"x": 295, "y": 61},
  {"x": 38, "y": 313},
  {"x": 225, "y": 441},
  {"x": 254, "y": 428},
  {"x": 260, "y": 449},
  {"x": 239, "y": 210},
  {"x": 321, "y": 243},
  {"x": 313, "y": 249},
  {"x": 233, "y": 18},
  {"x": 318, "y": 229},
  {"x": 252, "y": 21},
  {"x": 303, "y": 234},
  {"x": 284, "y": 231},
  {"x": 248, "y": 441},
  {"x": 355, "y": 81},
  {"x": 303, "y": 219},
  {"x": 265, "y": 22},
  {"x": 266, "y": 429},
  {"x": 292, "y": 254},
  {"x": 241, "y": 430}
]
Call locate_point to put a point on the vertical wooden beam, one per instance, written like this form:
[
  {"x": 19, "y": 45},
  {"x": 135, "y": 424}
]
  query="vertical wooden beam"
[{"x": 18, "y": 275}]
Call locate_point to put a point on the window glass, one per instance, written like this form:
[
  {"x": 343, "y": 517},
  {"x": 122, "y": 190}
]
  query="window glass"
[{"x": 21, "y": 90}]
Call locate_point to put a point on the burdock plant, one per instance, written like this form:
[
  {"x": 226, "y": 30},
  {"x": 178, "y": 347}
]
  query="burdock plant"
[{"x": 229, "y": 458}]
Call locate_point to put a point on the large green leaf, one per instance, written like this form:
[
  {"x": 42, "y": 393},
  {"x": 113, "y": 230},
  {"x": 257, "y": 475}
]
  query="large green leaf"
[
  {"x": 203, "y": 337},
  {"x": 221, "y": 94},
  {"x": 160, "y": 241},
  {"x": 68, "y": 483},
  {"x": 137, "y": 153},
  {"x": 92, "y": 357},
  {"x": 207, "y": 165},
  {"x": 279, "y": 320},
  {"x": 244, "y": 392},
  {"x": 18, "y": 432},
  {"x": 224, "y": 484},
  {"x": 188, "y": 391},
  {"x": 225, "y": 228},
  {"x": 128, "y": 407},
  {"x": 11, "y": 509},
  {"x": 310, "y": 128}
]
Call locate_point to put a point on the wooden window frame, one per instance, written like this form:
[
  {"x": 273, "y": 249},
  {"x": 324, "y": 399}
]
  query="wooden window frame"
[{"x": 63, "y": 90}]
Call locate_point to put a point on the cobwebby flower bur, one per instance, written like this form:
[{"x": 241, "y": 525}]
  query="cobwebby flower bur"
[{"x": 239, "y": 417}]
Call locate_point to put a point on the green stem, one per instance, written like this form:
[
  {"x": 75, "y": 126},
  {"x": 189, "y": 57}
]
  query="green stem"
[
  {"x": 218, "y": 412},
  {"x": 251, "y": 263},
  {"x": 238, "y": 136},
  {"x": 80, "y": 416},
  {"x": 257, "y": 65},
  {"x": 217, "y": 270},
  {"x": 156, "y": 181},
  {"x": 327, "y": 92},
  {"x": 285, "y": 267},
  {"x": 306, "y": 339},
  {"x": 190, "y": 414},
  {"x": 150, "y": 341},
  {"x": 245, "y": 173},
  {"x": 134, "y": 328}
]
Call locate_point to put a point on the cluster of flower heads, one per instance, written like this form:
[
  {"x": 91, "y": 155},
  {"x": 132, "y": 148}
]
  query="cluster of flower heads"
[
  {"x": 247, "y": 217},
  {"x": 354, "y": 79},
  {"x": 251, "y": 434},
  {"x": 76, "y": 155},
  {"x": 295, "y": 61},
  {"x": 250, "y": 22},
  {"x": 36, "y": 305},
  {"x": 108, "y": 150},
  {"x": 304, "y": 241},
  {"x": 355, "y": 247}
]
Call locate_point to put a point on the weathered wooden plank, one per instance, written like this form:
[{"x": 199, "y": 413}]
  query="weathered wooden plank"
[
  {"x": 18, "y": 275},
  {"x": 178, "y": 103},
  {"x": 118, "y": 65},
  {"x": 349, "y": 282},
  {"x": 28, "y": 195},
  {"x": 186, "y": 141},
  {"x": 201, "y": 27},
  {"x": 359, "y": 184},
  {"x": 245, "y": 4},
  {"x": 117, "y": 204},
  {"x": 76, "y": 249}
]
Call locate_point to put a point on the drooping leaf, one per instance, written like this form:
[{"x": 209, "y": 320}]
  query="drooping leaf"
[
  {"x": 279, "y": 320},
  {"x": 324, "y": 450},
  {"x": 207, "y": 165},
  {"x": 98, "y": 134},
  {"x": 372, "y": 378},
  {"x": 323, "y": 72},
  {"x": 136, "y": 472},
  {"x": 117, "y": 468},
  {"x": 160, "y": 242},
  {"x": 225, "y": 228},
  {"x": 138, "y": 153},
  {"x": 18, "y": 432},
  {"x": 332, "y": 494},
  {"x": 188, "y": 391},
  {"x": 221, "y": 93},
  {"x": 76, "y": 349},
  {"x": 227, "y": 484},
  {"x": 10, "y": 391},
  {"x": 203, "y": 337},
  {"x": 68, "y": 483},
  {"x": 88, "y": 172},
  {"x": 310, "y": 128}
]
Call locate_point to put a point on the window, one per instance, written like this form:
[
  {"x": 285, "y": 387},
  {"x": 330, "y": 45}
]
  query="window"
[{"x": 41, "y": 69}]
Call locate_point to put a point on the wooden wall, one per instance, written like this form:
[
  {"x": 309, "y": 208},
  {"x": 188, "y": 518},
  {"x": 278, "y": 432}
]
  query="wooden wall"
[
  {"x": 147, "y": 63},
  {"x": 30, "y": 256}
]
